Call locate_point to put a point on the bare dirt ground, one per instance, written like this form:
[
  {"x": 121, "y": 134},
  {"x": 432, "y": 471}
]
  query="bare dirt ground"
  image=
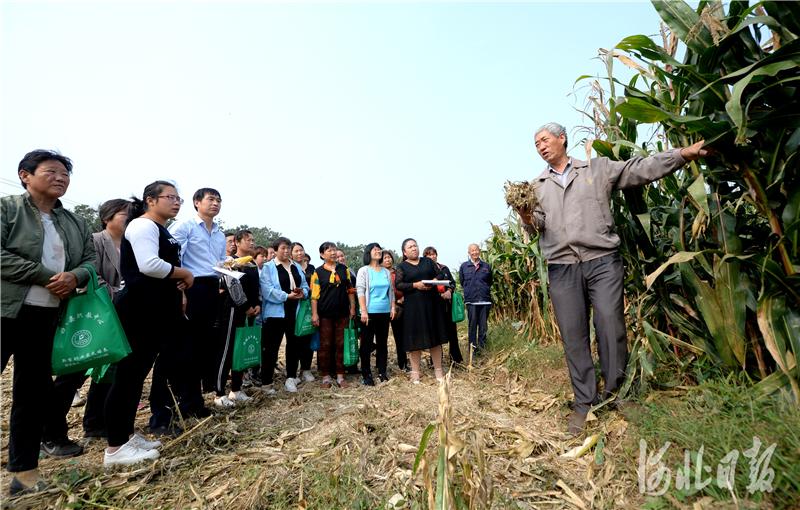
[{"x": 356, "y": 447}]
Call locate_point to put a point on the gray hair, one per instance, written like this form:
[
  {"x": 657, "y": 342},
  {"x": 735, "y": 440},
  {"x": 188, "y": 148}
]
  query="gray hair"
[{"x": 555, "y": 129}]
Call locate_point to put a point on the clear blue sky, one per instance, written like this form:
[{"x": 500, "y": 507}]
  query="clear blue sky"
[{"x": 354, "y": 122}]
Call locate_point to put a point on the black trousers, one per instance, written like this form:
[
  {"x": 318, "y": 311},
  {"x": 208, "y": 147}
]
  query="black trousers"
[
  {"x": 65, "y": 386},
  {"x": 274, "y": 330},
  {"x": 397, "y": 333},
  {"x": 29, "y": 338},
  {"x": 150, "y": 337},
  {"x": 377, "y": 329},
  {"x": 233, "y": 318},
  {"x": 452, "y": 333},
  {"x": 168, "y": 383},
  {"x": 203, "y": 308},
  {"x": 573, "y": 288},
  {"x": 478, "y": 315}
]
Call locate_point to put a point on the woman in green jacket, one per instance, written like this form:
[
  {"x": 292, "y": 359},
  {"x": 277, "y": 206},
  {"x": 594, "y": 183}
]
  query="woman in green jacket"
[{"x": 43, "y": 247}]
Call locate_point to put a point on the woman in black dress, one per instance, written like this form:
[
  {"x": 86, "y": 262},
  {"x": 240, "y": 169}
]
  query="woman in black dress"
[{"x": 423, "y": 325}]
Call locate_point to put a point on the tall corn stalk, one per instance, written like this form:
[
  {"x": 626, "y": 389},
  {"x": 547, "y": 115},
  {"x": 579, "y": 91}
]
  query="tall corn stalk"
[{"x": 520, "y": 275}]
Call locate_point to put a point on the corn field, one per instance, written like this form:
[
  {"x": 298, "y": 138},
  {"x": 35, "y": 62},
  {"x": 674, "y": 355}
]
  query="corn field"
[{"x": 711, "y": 251}]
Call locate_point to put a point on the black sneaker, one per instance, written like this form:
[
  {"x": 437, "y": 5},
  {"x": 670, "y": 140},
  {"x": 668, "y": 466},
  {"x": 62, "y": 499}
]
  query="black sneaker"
[
  {"x": 171, "y": 430},
  {"x": 60, "y": 449},
  {"x": 200, "y": 412},
  {"x": 383, "y": 377},
  {"x": 368, "y": 381},
  {"x": 95, "y": 434}
]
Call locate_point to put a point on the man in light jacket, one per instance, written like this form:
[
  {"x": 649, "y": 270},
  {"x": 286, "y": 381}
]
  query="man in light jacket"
[{"x": 579, "y": 242}]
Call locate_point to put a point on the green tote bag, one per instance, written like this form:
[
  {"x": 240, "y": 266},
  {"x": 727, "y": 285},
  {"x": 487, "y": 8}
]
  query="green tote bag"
[
  {"x": 303, "y": 325},
  {"x": 350, "y": 345},
  {"x": 457, "y": 310},
  {"x": 89, "y": 333},
  {"x": 246, "y": 348}
]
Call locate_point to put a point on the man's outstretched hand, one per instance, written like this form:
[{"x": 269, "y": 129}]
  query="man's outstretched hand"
[{"x": 695, "y": 151}]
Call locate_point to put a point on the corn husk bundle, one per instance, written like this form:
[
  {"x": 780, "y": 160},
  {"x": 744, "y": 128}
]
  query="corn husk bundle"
[{"x": 520, "y": 195}]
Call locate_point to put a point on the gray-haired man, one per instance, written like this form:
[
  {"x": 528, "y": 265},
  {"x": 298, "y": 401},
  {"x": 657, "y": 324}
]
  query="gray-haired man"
[{"x": 579, "y": 241}]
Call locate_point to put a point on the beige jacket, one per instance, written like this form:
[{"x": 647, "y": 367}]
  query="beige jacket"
[
  {"x": 107, "y": 263},
  {"x": 575, "y": 221}
]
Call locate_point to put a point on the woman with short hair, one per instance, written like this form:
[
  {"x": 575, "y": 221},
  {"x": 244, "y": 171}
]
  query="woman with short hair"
[
  {"x": 44, "y": 248},
  {"x": 423, "y": 327},
  {"x": 283, "y": 285},
  {"x": 332, "y": 304}
]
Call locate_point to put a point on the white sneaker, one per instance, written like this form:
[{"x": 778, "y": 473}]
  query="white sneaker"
[
  {"x": 290, "y": 385},
  {"x": 139, "y": 441},
  {"x": 308, "y": 376},
  {"x": 128, "y": 454},
  {"x": 224, "y": 401},
  {"x": 268, "y": 389},
  {"x": 238, "y": 396}
]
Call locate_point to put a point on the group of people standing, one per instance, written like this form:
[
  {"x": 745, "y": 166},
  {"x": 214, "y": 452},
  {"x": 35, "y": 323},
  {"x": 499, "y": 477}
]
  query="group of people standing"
[{"x": 180, "y": 312}]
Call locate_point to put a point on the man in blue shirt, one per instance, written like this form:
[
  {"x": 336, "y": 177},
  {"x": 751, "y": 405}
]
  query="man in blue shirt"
[
  {"x": 202, "y": 247},
  {"x": 475, "y": 276}
]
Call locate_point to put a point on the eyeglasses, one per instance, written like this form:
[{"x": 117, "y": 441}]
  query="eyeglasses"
[{"x": 172, "y": 198}]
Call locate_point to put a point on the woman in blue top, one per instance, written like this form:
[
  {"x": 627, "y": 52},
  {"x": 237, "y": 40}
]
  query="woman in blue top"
[{"x": 376, "y": 300}]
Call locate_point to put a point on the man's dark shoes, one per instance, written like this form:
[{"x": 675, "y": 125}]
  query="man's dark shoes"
[
  {"x": 16, "y": 488},
  {"x": 368, "y": 380},
  {"x": 383, "y": 377},
  {"x": 60, "y": 449},
  {"x": 171, "y": 430},
  {"x": 199, "y": 412},
  {"x": 576, "y": 422}
]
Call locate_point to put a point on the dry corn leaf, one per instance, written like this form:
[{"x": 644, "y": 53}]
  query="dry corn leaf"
[
  {"x": 570, "y": 496},
  {"x": 581, "y": 450}
]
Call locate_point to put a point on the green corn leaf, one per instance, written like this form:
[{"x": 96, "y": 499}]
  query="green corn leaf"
[
  {"x": 731, "y": 293},
  {"x": 644, "y": 219},
  {"x": 684, "y": 22},
  {"x": 787, "y": 12},
  {"x": 721, "y": 316},
  {"x": 423, "y": 445},
  {"x": 682, "y": 256},
  {"x": 441, "y": 469},
  {"x": 780, "y": 326},
  {"x": 643, "y": 111},
  {"x": 645, "y": 47},
  {"x": 734, "y": 105}
]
